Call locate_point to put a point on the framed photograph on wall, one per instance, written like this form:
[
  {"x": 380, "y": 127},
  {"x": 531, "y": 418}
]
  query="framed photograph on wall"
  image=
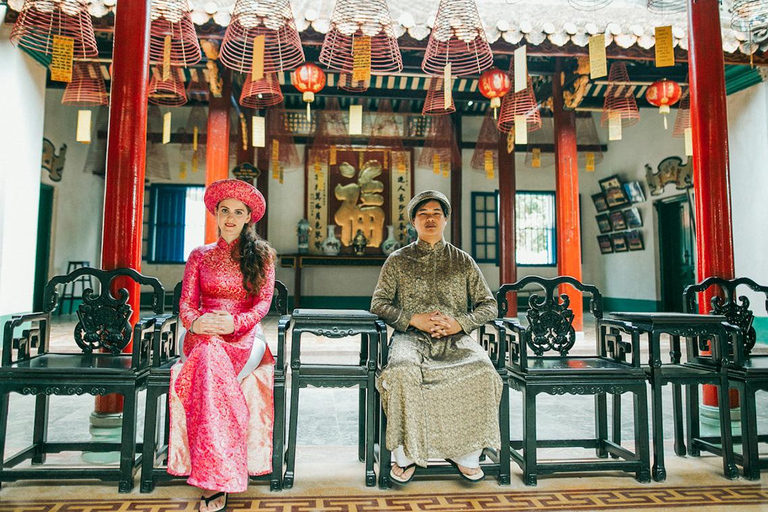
[
  {"x": 635, "y": 191},
  {"x": 635, "y": 240},
  {"x": 601, "y": 204},
  {"x": 605, "y": 244},
  {"x": 617, "y": 221},
  {"x": 615, "y": 195},
  {"x": 633, "y": 218},
  {"x": 619, "y": 242},
  {"x": 603, "y": 224}
]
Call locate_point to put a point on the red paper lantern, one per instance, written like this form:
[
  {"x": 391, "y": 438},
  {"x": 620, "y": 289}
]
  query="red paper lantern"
[
  {"x": 494, "y": 84},
  {"x": 309, "y": 80},
  {"x": 663, "y": 94}
]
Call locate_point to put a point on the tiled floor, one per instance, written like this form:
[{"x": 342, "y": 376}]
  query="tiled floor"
[{"x": 327, "y": 439}]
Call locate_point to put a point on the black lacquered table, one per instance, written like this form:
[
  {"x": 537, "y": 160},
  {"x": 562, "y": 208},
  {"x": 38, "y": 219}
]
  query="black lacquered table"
[{"x": 701, "y": 366}]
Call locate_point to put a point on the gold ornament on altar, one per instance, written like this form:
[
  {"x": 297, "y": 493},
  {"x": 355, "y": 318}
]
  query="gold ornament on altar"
[{"x": 361, "y": 203}]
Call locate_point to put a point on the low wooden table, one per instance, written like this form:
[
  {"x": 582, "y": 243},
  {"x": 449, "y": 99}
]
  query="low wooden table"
[{"x": 699, "y": 368}]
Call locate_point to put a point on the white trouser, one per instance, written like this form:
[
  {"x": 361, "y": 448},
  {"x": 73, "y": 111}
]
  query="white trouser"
[
  {"x": 469, "y": 460},
  {"x": 257, "y": 352}
]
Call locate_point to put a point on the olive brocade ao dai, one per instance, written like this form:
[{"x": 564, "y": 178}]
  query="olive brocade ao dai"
[
  {"x": 440, "y": 395},
  {"x": 218, "y": 418}
]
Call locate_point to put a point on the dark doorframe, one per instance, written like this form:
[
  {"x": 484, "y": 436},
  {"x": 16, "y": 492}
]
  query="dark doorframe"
[
  {"x": 676, "y": 250},
  {"x": 43, "y": 254}
]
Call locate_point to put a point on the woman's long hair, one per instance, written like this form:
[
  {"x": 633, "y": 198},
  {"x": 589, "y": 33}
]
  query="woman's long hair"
[{"x": 255, "y": 255}]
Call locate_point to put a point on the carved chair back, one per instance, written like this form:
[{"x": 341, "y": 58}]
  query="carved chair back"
[
  {"x": 550, "y": 318},
  {"x": 726, "y": 301}
]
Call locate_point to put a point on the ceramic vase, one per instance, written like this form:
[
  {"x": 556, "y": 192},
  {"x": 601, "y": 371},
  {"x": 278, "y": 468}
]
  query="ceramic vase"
[
  {"x": 391, "y": 244},
  {"x": 331, "y": 244}
]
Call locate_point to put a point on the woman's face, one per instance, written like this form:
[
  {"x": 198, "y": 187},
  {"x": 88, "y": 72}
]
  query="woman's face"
[{"x": 231, "y": 216}]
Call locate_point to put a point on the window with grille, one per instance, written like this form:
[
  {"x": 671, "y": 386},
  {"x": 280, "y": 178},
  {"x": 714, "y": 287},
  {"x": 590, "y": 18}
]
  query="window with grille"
[
  {"x": 176, "y": 222},
  {"x": 535, "y": 228}
]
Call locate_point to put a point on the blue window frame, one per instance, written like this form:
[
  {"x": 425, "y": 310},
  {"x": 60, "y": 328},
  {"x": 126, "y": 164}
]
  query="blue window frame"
[
  {"x": 177, "y": 222},
  {"x": 535, "y": 228}
]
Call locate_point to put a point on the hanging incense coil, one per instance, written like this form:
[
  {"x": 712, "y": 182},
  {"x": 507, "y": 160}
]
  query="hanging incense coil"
[
  {"x": 487, "y": 145},
  {"x": 261, "y": 93},
  {"x": 619, "y": 97},
  {"x": 171, "y": 92},
  {"x": 540, "y": 150},
  {"x": 440, "y": 145},
  {"x": 683, "y": 118},
  {"x": 589, "y": 5},
  {"x": 457, "y": 37},
  {"x": 156, "y": 153},
  {"x": 385, "y": 130},
  {"x": 434, "y": 104},
  {"x": 40, "y": 20},
  {"x": 272, "y": 19},
  {"x": 588, "y": 140},
  {"x": 280, "y": 133},
  {"x": 347, "y": 83},
  {"x": 87, "y": 87},
  {"x": 520, "y": 103},
  {"x": 197, "y": 88},
  {"x": 667, "y": 6},
  {"x": 172, "y": 18},
  {"x": 353, "y": 20}
]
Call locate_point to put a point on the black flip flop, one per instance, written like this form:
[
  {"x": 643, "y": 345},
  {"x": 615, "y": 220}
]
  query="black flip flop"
[
  {"x": 400, "y": 480},
  {"x": 214, "y": 497},
  {"x": 469, "y": 478}
]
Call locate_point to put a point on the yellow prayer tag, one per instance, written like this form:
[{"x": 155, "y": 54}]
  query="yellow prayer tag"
[
  {"x": 598, "y": 65},
  {"x": 361, "y": 55},
  {"x": 61, "y": 58},
  {"x": 183, "y": 170},
  {"x": 332, "y": 156},
  {"x": 665, "y": 50},
  {"x": 166, "y": 128},
  {"x": 488, "y": 163},
  {"x": 195, "y": 133},
  {"x": 167, "y": 58},
  {"x": 275, "y": 151},
  {"x": 436, "y": 163},
  {"x": 257, "y": 66},
  {"x": 536, "y": 158},
  {"x": 446, "y": 166},
  {"x": 590, "y": 163}
]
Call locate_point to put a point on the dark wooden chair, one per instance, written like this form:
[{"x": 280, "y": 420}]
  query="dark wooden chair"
[
  {"x": 99, "y": 368},
  {"x": 540, "y": 362},
  {"x": 164, "y": 356},
  {"x": 747, "y": 372},
  {"x": 491, "y": 337}
]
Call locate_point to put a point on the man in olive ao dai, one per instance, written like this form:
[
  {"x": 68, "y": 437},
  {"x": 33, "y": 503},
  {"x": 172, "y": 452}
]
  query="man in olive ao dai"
[{"x": 440, "y": 391}]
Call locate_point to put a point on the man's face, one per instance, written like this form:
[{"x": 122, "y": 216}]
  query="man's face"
[{"x": 430, "y": 221}]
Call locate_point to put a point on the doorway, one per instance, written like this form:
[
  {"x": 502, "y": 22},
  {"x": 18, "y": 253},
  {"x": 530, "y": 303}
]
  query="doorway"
[
  {"x": 676, "y": 250},
  {"x": 44, "y": 225}
]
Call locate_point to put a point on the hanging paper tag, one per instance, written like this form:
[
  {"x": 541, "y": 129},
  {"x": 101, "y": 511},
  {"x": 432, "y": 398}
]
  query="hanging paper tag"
[
  {"x": 614, "y": 125},
  {"x": 436, "y": 164},
  {"x": 275, "y": 153},
  {"x": 521, "y": 69},
  {"x": 195, "y": 161},
  {"x": 536, "y": 158},
  {"x": 257, "y": 65},
  {"x": 167, "y": 58},
  {"x": 689, "y": 141},
  {"x": 61, "y": 59},
  {"x": 401, "y": 162},
  {"x": 665, "y": 50},
  {"x": 320, "y": 177},
  {"x": 590, "y": 162},
  {"x": 446, "y": 167},
  {"x": 488, "y": 163},
  {"x": 281, "y": 175},
  {"x": 521, "y": 130},
  {"x": 511, "y": 141},
  {"x": 83, "y": 126},
  {"x": 355, "y": 119},
  {"x": 447, "y": 87},
  {"x": 244, "y": 131},
  {"x": 361, "y": 56},
  {"x": 183, "y": 170},
  {"x": 259, "y": 133},
  {"x": 166, "y": 128},
  {"x": 598, "y": 65},
  {"x": 195, "y": 133},
  {"x": 332, "y": 155}
]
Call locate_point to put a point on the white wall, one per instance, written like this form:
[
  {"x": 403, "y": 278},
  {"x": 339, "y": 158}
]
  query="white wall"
[
  {"x": 22, "y": 83},
  {"x": 748, "y": 150}
]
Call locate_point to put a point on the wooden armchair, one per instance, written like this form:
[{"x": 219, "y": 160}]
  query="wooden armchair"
[
  {"x": 165, "y": 355},
  {"x": 100, "y": 367},
  {"x": 540, "y": 362},
  {"x": 747, "y": 372}
]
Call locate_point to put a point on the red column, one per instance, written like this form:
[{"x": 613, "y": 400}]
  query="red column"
[
  {"x": 456, "y": 187},
  {"x": 507, "y": 189},
  {"x": 567, "y": 196},
  {"x": 217, "y": 147},
  {"x": 711, "y": 174},
  {"x": 126, "y": 146}
]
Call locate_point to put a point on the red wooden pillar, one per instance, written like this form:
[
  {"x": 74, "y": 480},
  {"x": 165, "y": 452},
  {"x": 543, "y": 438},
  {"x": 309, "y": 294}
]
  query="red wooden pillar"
[
  {"x": 711, "y": 173},
  {"x": 217, "y": 147},
  {"x": 567, "y": 196},
  {"x": 126, "y": 149},
  {"x": 456, "y": 186},
  {"x": 507, "y": 189}
]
